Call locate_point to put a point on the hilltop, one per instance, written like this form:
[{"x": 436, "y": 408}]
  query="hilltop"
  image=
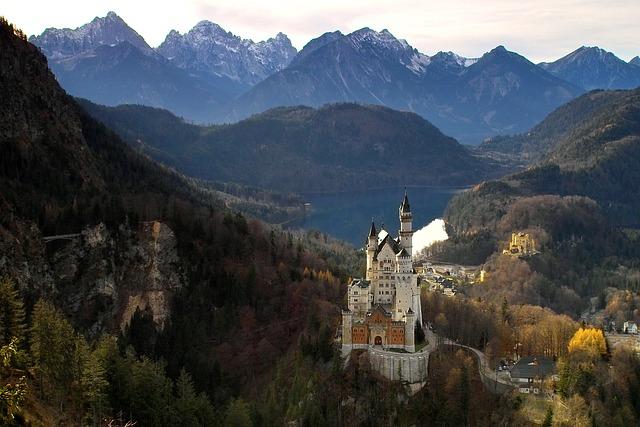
[{"x": 303, "y": 149}]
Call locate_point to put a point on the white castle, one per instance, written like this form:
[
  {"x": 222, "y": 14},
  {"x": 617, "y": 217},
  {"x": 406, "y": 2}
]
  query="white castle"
[{"x": 384, "y": 306}]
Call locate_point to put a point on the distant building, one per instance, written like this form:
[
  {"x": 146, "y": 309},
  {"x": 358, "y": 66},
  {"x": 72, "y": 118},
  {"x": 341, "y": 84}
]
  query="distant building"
[
  {"x": 521, "y": 244},
  {"x": 385, "y": 305},
  {"x": 630, "y": 327},
  {"x": 483, "y": 275},
  {"x": 530, "y": 371}
]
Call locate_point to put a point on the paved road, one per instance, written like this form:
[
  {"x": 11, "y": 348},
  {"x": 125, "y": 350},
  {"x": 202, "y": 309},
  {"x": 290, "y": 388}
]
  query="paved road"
[{"x": 483, "y": 364}]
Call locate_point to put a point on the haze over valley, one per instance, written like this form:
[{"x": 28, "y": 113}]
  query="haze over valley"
[{"x": 209, "y": 75}]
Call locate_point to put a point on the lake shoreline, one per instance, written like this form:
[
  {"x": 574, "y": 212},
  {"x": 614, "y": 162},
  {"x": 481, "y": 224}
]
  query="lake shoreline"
[
  {"x": 347, "y": 215},
  {"x": 408, "y": 187}
]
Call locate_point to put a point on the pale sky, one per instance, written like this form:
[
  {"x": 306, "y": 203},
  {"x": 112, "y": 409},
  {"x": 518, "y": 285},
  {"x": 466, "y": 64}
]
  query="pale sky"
[{"x": 541, "y": 30}]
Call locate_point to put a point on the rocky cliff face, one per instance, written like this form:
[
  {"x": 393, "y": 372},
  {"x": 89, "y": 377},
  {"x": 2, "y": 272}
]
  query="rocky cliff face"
[
  {"x": 100, "y": 277},
  {"x": 109, "y": 30},
  {"x": 108, "y": 274},
  {"x": 208, "y": 48}
]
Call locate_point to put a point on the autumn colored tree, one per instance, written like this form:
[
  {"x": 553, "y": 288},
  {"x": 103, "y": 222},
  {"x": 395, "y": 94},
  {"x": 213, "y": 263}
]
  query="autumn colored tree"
[
  {"x": 12, "y": 323},
  {"x": 12, "y": 393},
  {"x": 589, "y": 341}
]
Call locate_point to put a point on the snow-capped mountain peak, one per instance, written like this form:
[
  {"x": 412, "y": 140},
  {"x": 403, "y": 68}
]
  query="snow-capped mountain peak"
[
  {"x": 451, "y": 59},
  {"x": 209, "y": 48},
  {"x": 109, "y": 30},
  {"x": 386, "y": 44}
]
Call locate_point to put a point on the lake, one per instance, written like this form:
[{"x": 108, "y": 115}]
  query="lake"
[{"x": 347, "y": 215}]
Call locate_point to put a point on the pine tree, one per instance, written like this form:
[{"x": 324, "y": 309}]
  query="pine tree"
[
  {"x": 94, "y": 381},
  {"x": 504, "y": 311},
  {"x": 191, "y": 409},
  {"x": 54, "y": 352},
  {"x": 237, "y": 414},
  {"x": 548, "y": 418},
  {"x": 11, "y": 313}
]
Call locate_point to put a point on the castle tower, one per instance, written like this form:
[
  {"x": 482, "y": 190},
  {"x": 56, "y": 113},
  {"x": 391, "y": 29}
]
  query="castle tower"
[
  {"x": 405, "y": 224},
  {"x": 372, "y": 245},
  {"x": 409, "y": 331}
]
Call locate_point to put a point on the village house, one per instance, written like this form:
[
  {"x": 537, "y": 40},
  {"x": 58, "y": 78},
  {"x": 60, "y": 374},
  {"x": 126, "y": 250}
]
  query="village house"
[
  {"x": 630, "y": 327},
  {"x": 530, "y": 372}
]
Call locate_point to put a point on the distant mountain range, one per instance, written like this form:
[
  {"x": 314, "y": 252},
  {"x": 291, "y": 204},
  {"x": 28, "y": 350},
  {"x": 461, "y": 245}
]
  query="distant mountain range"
[
  {"x": 194, "y": 75},
  {"x": 303, "y": 149},
  {"x": 211, "y": 75},
  {"x": 468, "y": 99}
]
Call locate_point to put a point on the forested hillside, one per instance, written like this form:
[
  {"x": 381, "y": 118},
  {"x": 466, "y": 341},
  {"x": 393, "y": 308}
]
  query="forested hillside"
[
  {"x": 534, "y": 145},
  {"x": 303, "y": 149},
  {"x": 575, "y": 202},
  {"x": 162, "y": 295},
  {"x": 590, "y": 147}
]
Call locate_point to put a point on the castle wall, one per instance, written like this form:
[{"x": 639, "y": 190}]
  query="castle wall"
[{"x": 410, "y": 367}]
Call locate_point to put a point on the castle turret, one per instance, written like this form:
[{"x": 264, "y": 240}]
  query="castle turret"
[
  {"x": 372, "y": 245},
  {"x": 406, "y": 220},
  {"x": 409, "y": 331}
]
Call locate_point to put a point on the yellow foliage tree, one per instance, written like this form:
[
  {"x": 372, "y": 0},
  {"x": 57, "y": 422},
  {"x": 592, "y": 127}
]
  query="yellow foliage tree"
[{"x": 588, "y": 340}]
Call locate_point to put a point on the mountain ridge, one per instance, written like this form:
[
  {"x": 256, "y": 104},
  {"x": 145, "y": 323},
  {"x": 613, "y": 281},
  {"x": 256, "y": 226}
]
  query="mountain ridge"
[
  {"x": 210, "y": 49},
  {"x": 590, "y": 148},
  {"x": 303, "y": 149},
  {"x": 469, "y": 98},
  {"x": 109, "y": 30},
  {"x": 595, "y": 68},
  {"x": 375, "y": 67}
]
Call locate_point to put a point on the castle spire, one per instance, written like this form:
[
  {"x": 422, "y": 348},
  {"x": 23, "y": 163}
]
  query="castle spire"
[
  {"x": 372, "y": 232},
  {"x": 404, "y": 207}
]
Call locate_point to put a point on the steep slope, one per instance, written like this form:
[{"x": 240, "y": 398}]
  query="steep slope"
[
  {"x": 597, "y": 155},
  {"x": 505, "y": 92},
  {"x": 366, "y": 66},
  {"x": 315, "y": 44},
  {"x": 469, "y": 99},
  {"x": 594, "y": 68},
  {"x": 60, "y": 171},
  {"x": 536, "y": 143},
  {"x": 304, "y": 149},
  {"x": 207, "y": 48},
  {"x": 121, "y": 74},
  {"x": 108, "y": 62},
  {"x": 151, "y": 256},
  {"x": 635, "y": 61}
]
